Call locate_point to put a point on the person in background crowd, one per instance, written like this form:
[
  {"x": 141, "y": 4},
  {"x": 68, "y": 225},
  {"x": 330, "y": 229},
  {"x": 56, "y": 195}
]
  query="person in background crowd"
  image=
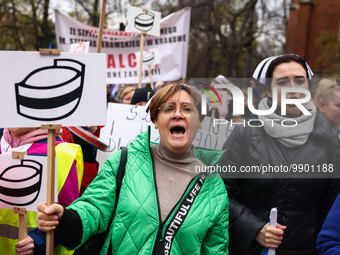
[
  {"x": 121, "y": 88},
  {"x": 328, "y": 241},
  {"x": 142, "y": 96},
  {"x": 159, "y": 84},
  {"x": 158, "y": 192},
  {"x": 70, "y": 171},
  {"x": 127, "y": 95},
  {"x": 110, "y": 98},
  {"x": 327, "y": 100},
  {"x": 302, "y": 203}
]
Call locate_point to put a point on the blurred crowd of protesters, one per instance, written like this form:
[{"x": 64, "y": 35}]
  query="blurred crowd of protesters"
[{"x": 302, "y": 203}]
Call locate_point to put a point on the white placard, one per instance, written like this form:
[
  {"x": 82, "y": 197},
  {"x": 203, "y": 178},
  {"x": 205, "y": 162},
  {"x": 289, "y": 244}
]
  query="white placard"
[
  {"x": 124, "y": 123},
  {"x": 140, "y": 20},
  {"x": 120, "y": 47},
  {"x": 212, "y": 136},
  {"x": 23, "y": 182},
  {"x": 150, "y": 57},
  {"x": 67, "y": 89}
]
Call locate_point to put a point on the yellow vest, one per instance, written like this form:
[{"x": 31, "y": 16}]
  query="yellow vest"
[{"x": 66, "y": 153}]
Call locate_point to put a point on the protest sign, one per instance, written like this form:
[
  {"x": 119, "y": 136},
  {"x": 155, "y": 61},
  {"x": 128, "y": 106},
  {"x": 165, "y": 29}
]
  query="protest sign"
[
  {"x": 140, "y": 20},
  {"x": 67, "y": 89},
  {"x": 23, "y": 182},
  {"x": 120, "y": 47},
  {"x": 150, "y": 57},
  {"x": 212, "y": 136}
]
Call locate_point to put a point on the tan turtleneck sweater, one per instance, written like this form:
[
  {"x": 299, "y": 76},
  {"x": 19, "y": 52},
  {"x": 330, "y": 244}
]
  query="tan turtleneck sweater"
[{"x": 174, "y": 171}]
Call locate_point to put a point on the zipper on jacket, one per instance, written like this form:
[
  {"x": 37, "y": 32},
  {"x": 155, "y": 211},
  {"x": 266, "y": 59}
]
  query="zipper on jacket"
[{"x": 162, "y": 224}]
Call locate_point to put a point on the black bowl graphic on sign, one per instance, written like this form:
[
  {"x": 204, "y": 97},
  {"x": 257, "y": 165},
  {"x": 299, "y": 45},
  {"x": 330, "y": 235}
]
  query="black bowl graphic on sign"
[
  {"x": 144, "y": 21},
  {"x": 48, "y": 102},
  {"x": 23, "y": 191},
  {"x": 148, "y": 57}
]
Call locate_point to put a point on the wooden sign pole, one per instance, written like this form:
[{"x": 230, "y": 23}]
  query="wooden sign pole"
[
  {"x": 51, "y": 135},
  {"x": 141, "y": 58},
  {"x": 22, "y": 221},
  {"x": 101, "y": 26},
  {"x": 21, "y": 210},
  {"x": 141, "y": 54}
]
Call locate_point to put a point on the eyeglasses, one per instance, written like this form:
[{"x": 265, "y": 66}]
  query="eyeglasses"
[{"x": 170, "y": 109}]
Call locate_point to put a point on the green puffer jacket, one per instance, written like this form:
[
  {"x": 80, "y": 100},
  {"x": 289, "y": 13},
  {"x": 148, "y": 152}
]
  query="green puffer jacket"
[{"x": 137, "y": 228}]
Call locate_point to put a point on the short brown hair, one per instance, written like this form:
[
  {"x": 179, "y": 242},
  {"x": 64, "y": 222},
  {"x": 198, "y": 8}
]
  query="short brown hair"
[{"x": 167, "y": 91}]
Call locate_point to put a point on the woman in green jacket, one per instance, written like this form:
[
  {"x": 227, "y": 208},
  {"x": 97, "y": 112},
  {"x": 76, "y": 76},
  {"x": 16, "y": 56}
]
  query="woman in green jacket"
[{"x": 165, "y": 206}]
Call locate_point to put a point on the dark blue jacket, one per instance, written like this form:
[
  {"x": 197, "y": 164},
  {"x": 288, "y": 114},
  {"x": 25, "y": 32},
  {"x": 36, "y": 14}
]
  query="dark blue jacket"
[{"x": 328, "y": 241}]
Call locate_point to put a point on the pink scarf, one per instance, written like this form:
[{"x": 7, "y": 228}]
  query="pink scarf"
[{"x": 30, "y": 137}]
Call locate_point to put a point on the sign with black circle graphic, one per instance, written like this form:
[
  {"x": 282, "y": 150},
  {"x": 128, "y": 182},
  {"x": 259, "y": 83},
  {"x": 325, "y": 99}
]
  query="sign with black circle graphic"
[
  {"x": 141, "y": 20},
  {"x": 67, "y": 89},
  {"x": 23, "y": 182},
  {"x": 151, "y": 57}
]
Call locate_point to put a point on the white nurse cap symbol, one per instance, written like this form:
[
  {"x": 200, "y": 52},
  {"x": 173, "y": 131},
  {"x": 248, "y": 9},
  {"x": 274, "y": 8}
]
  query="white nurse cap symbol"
[
  {"x": 24, "y": 190},
  {"x": 148, "y": 57},
  {"x": 48, "y": 102},
  {"x": 144, "y": 21}
]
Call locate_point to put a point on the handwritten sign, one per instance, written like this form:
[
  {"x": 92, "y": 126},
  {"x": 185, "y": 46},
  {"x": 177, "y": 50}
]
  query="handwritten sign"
[
  {"x": 23, "y": 182},
  {"x": 212, "y": 136},
  {"x": 140, "y": 20},
  {"x": 124, "y": 123},
  {"x": 46, "y": 89}
]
